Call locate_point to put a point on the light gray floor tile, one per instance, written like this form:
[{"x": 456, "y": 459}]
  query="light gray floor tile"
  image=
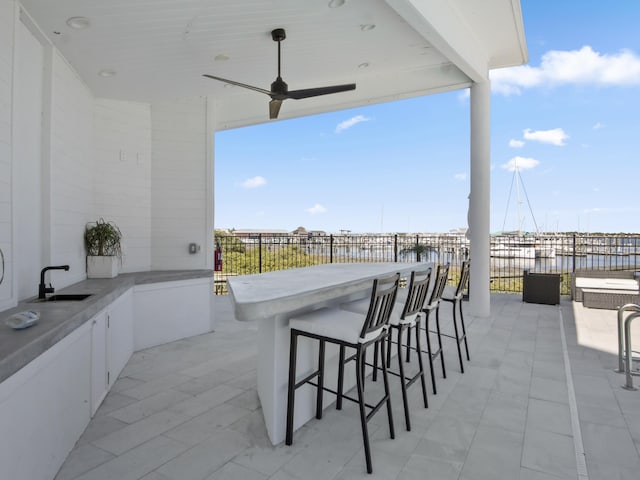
[
  {"x": 505, "y": 411},
  {"x": 604, "y": 444},
  {"x": 248, "y": 400},
  {"x": 100, "y": 426},
  {"x": 137, "y": 462},
  {"x": 549, "y": 452},
  {"x": 549, "y": 416},
  {"x": 449, "y": 438},
  {"x": 124, "y": 383},
  {"x": 200, "y": 428},
  {"x": 419, "y": 467},
  {"x": 606, "y": 471},
  {"x": 494, "y": 453},
  {"x": 205, "y": 382},
  {"x": 528, "y": 474},
  {"x": 233, "y": 471},
  {"x": 204, "y": 459},
  {"x": 114, "y": 401},
  {"x": 199, "y": 404},
  {"x": 548, "y": 389},
  {"x": 148, "y": 406},
  {"x": 158, "y": 385},
  {"x": 81, "y": 460},
  {"x": 137, "y": 433}
]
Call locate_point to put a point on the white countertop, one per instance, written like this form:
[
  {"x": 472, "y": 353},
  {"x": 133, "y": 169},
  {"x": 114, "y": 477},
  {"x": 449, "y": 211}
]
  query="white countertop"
[{"x": 266, "y": 295}]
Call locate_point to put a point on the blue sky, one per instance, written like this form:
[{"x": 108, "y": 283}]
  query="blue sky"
[{"x": 570, "y": 120}]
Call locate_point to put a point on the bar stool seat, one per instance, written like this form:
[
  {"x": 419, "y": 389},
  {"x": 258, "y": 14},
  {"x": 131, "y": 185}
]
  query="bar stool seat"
[
  {"x": 347, "y": 330},
  {"x": 334, "y": 323}
]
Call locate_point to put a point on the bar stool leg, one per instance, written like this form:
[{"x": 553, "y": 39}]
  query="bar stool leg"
[
  {"x": 291, "y": 393},
  {"x": 444, "y": 372},
  {"x": 320, "y": 389},
  {"x": 340, "y": 388},
  {"x": 387, "y": 393},
  {"x": 403, "y": 386},
  {"x": 464, "y": 332},
  {"x": 431, "y": 369},
  {"x": 363, "y": 414},
  {"x": 455, "y": 329},
  {"x": 420, "y": 364}
]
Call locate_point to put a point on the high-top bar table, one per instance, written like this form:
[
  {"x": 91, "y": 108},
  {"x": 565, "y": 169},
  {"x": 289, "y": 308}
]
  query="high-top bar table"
[{"x": 275, "y": 297}]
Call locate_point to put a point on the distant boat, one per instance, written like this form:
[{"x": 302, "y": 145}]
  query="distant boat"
[{"x": 512, "y": 250}]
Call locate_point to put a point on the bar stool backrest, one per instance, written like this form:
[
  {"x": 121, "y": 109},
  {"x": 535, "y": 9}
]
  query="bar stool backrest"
[
  {"x": 418, "y": 289},
  {"x": 442, "y": 274},
  {"x": 383, "y": 297},
  {"x": 464, "y": 279}
]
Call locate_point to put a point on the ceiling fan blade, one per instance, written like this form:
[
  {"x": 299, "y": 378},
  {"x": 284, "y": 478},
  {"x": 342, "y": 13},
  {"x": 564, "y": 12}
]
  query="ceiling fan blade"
[
  {"x": 243, "y": 85},
  {"x": 274, "y": 108},
  {"x": 314, "y": 92}
]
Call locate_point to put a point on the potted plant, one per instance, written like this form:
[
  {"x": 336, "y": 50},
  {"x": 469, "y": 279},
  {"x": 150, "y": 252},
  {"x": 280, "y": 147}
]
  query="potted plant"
[{"x": 104, "y": 250}]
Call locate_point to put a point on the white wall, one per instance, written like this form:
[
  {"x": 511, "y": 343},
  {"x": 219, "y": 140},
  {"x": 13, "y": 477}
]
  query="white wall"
[
  {"x": 7, "y": 15},
  {"x": 71, "y": 164},
  {"x": 27, "y": 154},
  {"x": 179, "y": 195},
  {"x": 122, "y": 176}
]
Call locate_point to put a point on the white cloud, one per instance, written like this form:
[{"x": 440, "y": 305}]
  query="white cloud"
[
  {"x": 520, "y": 163},
  {"x": 460, "y": 176},
  {"x": 351, "y": 122},
  {"x": 316, "y": 209},
  {"x": 254, "y": 182},
  {"x": 572, "y": 67},
  {"x": 556, "y": 136},
  {"x": 598, "y": 126},
  {"x": 516, "y": 143}
]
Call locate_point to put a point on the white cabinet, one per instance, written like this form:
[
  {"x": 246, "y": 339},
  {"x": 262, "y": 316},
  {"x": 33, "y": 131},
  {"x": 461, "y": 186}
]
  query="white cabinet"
[
  {"x": 99, "y": 351},
  {"x": 111, "y": 346},
  {"x": 120, "y": 326}
]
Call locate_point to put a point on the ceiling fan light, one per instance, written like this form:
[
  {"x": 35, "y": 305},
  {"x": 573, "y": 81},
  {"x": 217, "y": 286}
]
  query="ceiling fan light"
[
  {"x": 221, "y": 57},
  {"x": 336, "y": 3},
  {"x": 106, "y": 73},
  {"x": 78, "y": 23},
  {"x": 367, "y": 26}
]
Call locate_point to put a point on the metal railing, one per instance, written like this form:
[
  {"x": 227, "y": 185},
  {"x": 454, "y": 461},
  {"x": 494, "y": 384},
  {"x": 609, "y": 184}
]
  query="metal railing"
[{"x": 510, "y": 254}]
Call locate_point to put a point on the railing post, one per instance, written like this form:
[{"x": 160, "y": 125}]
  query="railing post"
[
  {"x": 395, "y": 247},
  {"x": 259, "y": 253},
  {"x": 573, "y": 268},
  {"x": 417, "y": 248},
  {"x": 331, "y": 248}
]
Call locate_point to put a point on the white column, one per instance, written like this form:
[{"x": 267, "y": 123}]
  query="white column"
[{"x": 479, "y": 201}]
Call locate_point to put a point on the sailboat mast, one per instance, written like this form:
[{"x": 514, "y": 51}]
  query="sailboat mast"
[{"x": 517, "y": 175}]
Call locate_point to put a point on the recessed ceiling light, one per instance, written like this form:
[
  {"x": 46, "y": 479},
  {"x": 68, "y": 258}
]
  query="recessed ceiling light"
[
  {"x": 78, "y": 23},
  {"x": 228, "y": 85},
  {"x": 367, "y": 26},
  {"x": 221, "y": 57},
  {"x": 364, "y": 65},
  {"x": 336, "y": 3},
  {"x": 106, "y": 73}
]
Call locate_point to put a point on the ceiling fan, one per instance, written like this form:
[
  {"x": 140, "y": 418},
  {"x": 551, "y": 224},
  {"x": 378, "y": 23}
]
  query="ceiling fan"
[{"x": 279, "y": 89}]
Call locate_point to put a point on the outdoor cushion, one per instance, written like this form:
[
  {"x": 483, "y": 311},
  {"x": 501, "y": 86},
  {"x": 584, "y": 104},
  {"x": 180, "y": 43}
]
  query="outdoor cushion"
[{"x": 607, "y": 283}]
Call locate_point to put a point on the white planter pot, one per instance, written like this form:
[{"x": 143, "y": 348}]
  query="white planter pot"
[{"x": 102, "y": 267}]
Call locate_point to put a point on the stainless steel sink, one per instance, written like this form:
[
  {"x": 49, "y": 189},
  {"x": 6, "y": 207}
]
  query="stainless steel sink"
[{"x": 66, "y": 297}]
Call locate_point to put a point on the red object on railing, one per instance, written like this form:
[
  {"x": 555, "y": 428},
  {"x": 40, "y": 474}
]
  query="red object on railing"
[{"x": 217, "y": 258}]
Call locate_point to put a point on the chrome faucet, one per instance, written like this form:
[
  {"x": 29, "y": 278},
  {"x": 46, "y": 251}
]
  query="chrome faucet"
[{"x": 42, "y": 288}]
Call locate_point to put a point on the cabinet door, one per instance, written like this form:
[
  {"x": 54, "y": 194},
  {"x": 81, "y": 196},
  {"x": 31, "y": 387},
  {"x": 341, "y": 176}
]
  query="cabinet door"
[
  {"x": 99, "y": 349},
  {"x": 120, "y": 334}
]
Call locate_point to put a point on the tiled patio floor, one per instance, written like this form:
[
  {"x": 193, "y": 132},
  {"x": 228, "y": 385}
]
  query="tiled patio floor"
[{"x": 188, "y": 410}]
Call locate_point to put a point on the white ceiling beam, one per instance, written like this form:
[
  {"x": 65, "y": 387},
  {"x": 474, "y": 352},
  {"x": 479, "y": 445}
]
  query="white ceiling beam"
[{"x": 440, "y": 24}]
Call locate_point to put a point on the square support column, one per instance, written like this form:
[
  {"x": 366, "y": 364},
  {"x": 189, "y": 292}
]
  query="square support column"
[{"x": 479, "y": 199}]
